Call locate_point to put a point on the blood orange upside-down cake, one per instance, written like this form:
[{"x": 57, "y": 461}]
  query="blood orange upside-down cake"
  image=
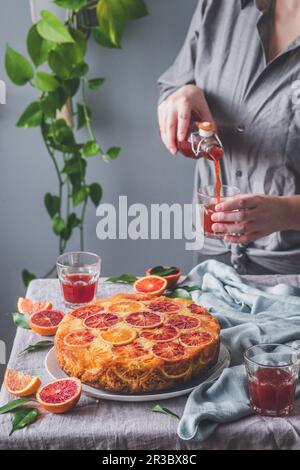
[{"x": 133, "y": 343}]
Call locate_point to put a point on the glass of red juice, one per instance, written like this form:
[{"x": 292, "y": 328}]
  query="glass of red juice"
[
  {"x": 207, "y": 200},
  {"x": 272, "y": 371},
  {"x": 78, "y": 273}
]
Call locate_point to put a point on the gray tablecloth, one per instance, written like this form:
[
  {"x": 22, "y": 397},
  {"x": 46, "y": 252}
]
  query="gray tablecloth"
[{"x": 115, "y": 425}]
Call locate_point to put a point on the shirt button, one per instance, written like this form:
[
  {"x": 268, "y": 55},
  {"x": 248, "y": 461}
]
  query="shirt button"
[
  {"x": 241, "y": 128},
  {"x": 239, "y": 173}
]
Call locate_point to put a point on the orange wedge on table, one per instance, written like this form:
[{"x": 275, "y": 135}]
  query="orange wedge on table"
[
  {"x": 59, "y": 396},
  {"x": 46, "y": 322},
  {"x": 19, "y": 384},
  {"x": 151, "y": 285},
  {"x": 28, "y": 306}
]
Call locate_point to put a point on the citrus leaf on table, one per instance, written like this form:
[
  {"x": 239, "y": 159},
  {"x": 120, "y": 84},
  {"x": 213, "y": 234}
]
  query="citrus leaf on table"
[
  {"x": 20, "y": 320},
  {"x": 190, "y": 288},
  {"x": 45, "y": 82},
  {"x": 13, "y": 405},
  {"x": 52, "y": 29},
  {"x": 27, "y": 277},
  {"x": 18, "y": 68},
  {"x": 32, "y": 116},
  {"x": 179, "y": 294},
  {"x": 23, "y": 418},
  {"x": 95, "y": 83},
  {"x": 38, "y": 47},
  {"x": 37, "y": 346},
  {"x": 164, "y": 411},
  {"x": 123, "y": 278},
  {"x": 161, "y": 271}
]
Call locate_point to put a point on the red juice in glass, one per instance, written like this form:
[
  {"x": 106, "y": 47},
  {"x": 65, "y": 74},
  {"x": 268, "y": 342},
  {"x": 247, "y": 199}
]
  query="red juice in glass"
[
  {"x": 78, "y": 273},
  {"x": 272, "y": 391},
  {"x": 79, "y": 288},
  {"x": 272, "y": 371}
]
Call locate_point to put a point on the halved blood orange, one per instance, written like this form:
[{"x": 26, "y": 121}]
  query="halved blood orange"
[
  {"x": 165, "y": 333},
  {"x": 150, "y": 285},
  {"x": 131, "y": 351},
  {"x": 195, "y": 338},
  {"x": 79, "y": 338},
  {"x": 126, "y": 306},
  {"x": 101, "y": 321},
  {"x": 183, "y": 322},
  {"x": 87, "y": 311},
  {"x": 165, "y": 306},
  {"x": 119, "y": 336},
  {"x": 169, "y": 351},
  {"x": 19, "y": 384},
  {"x": 46, "y": 322},
  {"x": 194, "y": 308},
  {"x": 144, "y": 319},
  {"x": 59, "y": 396},
  {"x": 28, "y": 306}
]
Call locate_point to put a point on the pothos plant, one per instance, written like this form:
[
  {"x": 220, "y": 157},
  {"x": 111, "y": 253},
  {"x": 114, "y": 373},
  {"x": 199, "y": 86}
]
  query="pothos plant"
[{"x": 59, "y": 72}]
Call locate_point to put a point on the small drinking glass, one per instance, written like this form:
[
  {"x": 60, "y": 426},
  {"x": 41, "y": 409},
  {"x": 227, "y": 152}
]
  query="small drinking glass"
[
  {"x": 272, "y": 371},
  {"x": 207, "y": 201},
  {"x": 78, "y": 273}
]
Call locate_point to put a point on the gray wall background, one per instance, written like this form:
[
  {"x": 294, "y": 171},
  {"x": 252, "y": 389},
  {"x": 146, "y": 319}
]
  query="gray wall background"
[{"x": 124, "y": 111}]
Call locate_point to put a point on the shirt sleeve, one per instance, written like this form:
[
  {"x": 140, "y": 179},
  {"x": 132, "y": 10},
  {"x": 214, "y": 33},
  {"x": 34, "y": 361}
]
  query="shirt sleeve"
[{"x": 182, "y": 72}]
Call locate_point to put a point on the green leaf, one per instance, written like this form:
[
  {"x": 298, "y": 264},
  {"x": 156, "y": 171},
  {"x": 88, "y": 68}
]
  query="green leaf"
[
  {"x": 164, "y": 411},
  {"x": 75, "y": 165},
  {"x": 52, "y": 204},
  {"x": 79, "y": 46},
  {"x": 80, "y": 70},
  {"x": 162, "y": 271},
  {"x": 95, "y": 193},
  {"x": 14, "y": 404},
  {"x": 61, "y": 133},
  {"x": 60, "y": 62},
  {"x": 59, "y": 225},
  {"x": 179, "y": 294},
  {"x": 20, "y": 320},
  {"x": 71, "y": 4},
  {"x": 72, "y": 223},
  {"x": 113, "y": 14},
  {"x": 32, "y": 116},
  {"x": 190, "y": 288},
  {"x": 95, "y": 83},
  {"x": 45, "y": 82},
  {"x": 53, "y": 102},
  {"x": 52, "y": 29},
  {"x": 27, "y": 277},
  {"x": 71, "y": 86},
  {"x": 103, "y": 39},
  {"x": 38, "y": 346},
  {"x": 123, "y": 279},
  {"x": 81, "y": 116},
  {"x": 38, "y": 48},
  {"x": 80, "y": 196},
  {"x": 91, "y": 149},
  {"x": 18, "y": 68},
  {"x": 23, "y": 418},
  {"x": 112, "y": 153}
]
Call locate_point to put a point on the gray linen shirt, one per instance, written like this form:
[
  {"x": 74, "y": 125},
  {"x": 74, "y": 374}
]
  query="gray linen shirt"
[{"x": 256, "y": 106}]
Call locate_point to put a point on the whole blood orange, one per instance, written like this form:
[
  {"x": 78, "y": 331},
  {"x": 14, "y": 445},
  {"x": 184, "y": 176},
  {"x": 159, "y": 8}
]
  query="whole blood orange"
[
  {"x": 151, "y": 285},
  {"x": 59, "y": 396},
  {"x": 29, "y": 306},
  {"x": 19, "y": 384},
  {"x": 46, "y": 322}
]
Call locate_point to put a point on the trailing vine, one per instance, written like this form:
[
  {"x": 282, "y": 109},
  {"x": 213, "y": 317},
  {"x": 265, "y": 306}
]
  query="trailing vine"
[{"x": 59, "y": 72}]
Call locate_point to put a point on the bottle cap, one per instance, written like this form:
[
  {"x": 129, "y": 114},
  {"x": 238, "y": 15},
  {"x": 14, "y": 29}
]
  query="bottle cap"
[{"x": 206, "y": 129}]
